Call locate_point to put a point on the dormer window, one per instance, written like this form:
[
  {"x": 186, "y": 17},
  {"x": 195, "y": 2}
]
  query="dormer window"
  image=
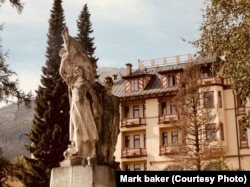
[
  {"x": 134, "y": 86},
  {"x": 171, "y": 80}
]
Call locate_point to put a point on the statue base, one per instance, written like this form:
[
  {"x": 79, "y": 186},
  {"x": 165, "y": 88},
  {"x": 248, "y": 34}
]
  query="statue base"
[
  {"x": 87, "y": 176},
  {"x": 77, "y": 160}
]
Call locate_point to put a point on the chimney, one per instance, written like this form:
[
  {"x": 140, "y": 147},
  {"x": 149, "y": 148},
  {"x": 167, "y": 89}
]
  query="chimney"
[
  {"x": 114, "y": 76},
  {"x": 129, "y": 68}
]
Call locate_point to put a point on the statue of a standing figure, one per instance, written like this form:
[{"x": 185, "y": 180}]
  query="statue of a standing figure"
[
  {"x": 110, "y": 121},
  {"x": 94, "y": 110},
  {"x": 85, "y": 107},
  {"x": 83, "y": 131}
]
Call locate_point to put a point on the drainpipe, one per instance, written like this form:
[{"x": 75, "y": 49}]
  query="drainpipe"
[{"x": 237, "y": 135}]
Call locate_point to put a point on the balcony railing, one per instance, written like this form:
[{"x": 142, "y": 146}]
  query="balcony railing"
[
  {"x": 243, "y": 144},
  {"x": 133, "y": 122},
  {"x": 133, "y": 152},
  {"x": 241, "y": 111},
  {"x": 168, "y": 118},
  {"x": 169, "y": 150},
  {"x": 211, "y": 80}
]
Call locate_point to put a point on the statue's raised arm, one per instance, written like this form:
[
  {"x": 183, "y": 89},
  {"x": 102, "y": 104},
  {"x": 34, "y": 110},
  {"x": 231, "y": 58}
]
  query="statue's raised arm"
[
  {"x": 72, "y": 55},
  {"x": 65, "y": 36}
]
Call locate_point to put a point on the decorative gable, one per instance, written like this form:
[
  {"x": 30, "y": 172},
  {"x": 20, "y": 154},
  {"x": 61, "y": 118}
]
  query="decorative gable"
[
  {"x": 170, "y": 79},
  {"x": 136, "y": 83}
]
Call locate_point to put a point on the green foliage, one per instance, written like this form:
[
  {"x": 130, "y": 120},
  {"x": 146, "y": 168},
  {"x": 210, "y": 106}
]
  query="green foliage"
[
  {"x": 49, "y": 133},
  {"x": 8, "y": 87},
  {"x": 15, "y": 3},
  {"x": 84, "y": 31},
  {"x": 225, "y": 35},
  {"x": 5, "y": 169},
  {"x": 245, "y": 120}
]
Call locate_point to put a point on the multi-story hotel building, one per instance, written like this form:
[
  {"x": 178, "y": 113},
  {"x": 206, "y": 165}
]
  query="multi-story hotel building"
[{"x": 148, "y": 137}]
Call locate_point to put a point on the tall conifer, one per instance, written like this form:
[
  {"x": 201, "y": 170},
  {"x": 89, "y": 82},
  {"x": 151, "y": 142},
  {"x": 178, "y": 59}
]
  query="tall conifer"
[
  {"x": 84, "y": 27},
  {"x": 49, "y": 133}
]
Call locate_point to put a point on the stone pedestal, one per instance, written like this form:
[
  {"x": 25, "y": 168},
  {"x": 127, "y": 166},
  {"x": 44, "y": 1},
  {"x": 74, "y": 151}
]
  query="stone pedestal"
[{"x": 83, "y": 176}]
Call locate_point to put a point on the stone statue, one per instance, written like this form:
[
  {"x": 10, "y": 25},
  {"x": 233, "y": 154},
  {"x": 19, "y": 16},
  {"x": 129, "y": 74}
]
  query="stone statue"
[
  {"x": 110, "y": 121},
  {"x": 108, "y": 126},
  {"x": 83, "y": 131},
  {"x": 73, "y": 54},
  {"x": 94, "y": 110}
]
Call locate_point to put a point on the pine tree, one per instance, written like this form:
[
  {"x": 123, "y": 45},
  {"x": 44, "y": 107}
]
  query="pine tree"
[
  {"x": 84, "y": 26},
  {"x": 49, "y": 133},
  {"x": 16, "y": 4},
  {"x": 9, "y": 87}
]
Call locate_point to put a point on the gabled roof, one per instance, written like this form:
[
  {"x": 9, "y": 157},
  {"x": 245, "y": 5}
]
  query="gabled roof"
[
  {"x": 154, "y": 86},
  {"x": 137, "y": 73}
]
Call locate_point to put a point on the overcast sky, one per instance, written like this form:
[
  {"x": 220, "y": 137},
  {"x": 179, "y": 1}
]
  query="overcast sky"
[{"x": 124, "y": 31}]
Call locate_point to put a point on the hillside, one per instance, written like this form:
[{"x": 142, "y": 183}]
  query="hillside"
[{"x": 16, "y": 122}]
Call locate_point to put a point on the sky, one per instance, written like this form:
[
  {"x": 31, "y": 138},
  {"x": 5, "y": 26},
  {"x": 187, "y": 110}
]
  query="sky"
[{"x": 124, "y": 31}]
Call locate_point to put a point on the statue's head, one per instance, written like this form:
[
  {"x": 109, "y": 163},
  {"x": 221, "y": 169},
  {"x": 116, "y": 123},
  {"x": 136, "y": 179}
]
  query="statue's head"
[
  {"x": 108, "y": 82},
  {"x": 78, "y": 71}
]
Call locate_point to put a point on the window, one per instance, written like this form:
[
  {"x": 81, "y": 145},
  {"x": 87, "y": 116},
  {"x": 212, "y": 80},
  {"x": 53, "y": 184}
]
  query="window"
[
  {"x": 145, "y": 140},
  {"x": 208, "y": 99},
  {"x": 173, "y": 108},
  {"x": 145, "y": 166},
  {"x": 136, "y": 141},
  {"x": 219, "y": 99},
  {"x": 134, "y": 85},
  {"x": 164, "y": 138},
  {"x": 243, "y": 133},
  {"x": 137, "y": 167},
  {"x": 171, "y": 80},
  {"x": 240, "y": 102},
  {"x": 144, "y": 110},
  {"x": 174, "y": 137},
  {"x": 127, "y": 167},
  {"x": 136, "y": 111},
  {"x": 206, "y": 72},
  {"x": 173, "y": 168},
  {"x": 126, "y": 112},
  {"x": 211, "y": 132},
  {"x": 127, "y": 141},
  {"x": 243, "y": 136},
  {"x": 221, "y": 131},
  {"x": 163, "y": 108},
  {"x": 240, "y": 105}
]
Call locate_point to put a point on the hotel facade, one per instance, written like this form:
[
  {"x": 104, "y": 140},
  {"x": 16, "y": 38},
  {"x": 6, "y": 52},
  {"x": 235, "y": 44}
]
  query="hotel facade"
[{"x": 149, "y": 136}]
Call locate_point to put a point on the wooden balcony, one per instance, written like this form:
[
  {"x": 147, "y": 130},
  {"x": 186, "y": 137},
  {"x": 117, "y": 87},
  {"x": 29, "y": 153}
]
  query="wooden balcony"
[
  {"x": 133, "y": 122},
  {"x": 168, "y": 118},
  {"x": 133, "y": 152},
  {"x": 169, "y": 150}
]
